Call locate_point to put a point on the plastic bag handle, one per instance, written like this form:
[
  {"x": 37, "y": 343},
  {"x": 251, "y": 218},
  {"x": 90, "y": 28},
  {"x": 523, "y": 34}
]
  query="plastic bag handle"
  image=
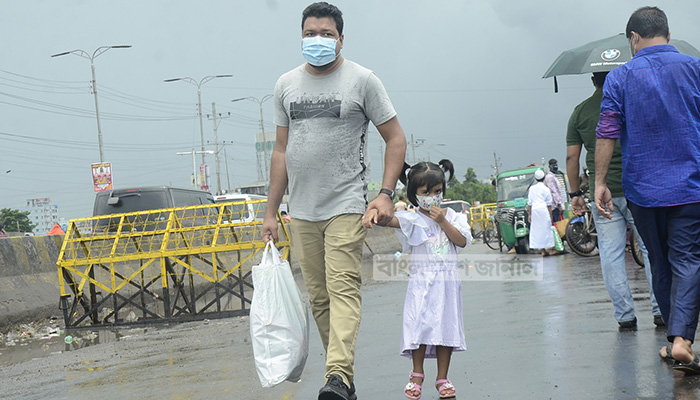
[{"x": 270, "y": 248}]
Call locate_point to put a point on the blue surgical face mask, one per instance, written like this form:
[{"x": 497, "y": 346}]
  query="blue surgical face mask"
[{"x": 318, "y": 51}]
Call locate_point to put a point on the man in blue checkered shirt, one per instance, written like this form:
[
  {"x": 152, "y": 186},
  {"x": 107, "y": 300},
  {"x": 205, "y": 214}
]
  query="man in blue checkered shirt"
[{"x": 652, "y": 105}]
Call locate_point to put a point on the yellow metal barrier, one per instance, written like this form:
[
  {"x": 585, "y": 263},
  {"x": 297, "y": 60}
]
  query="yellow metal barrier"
[
  {"x": 171, "y": 264},
  {"x": 481, "y": 216}
]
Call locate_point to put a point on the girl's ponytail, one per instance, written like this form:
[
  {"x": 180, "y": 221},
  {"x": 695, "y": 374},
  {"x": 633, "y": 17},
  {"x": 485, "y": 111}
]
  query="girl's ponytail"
[
  {"x": 403, "y": 177},
  {"x": 447, "y": 166}
]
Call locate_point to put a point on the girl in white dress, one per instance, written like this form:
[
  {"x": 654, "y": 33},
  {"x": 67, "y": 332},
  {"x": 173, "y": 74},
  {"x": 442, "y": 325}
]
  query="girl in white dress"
[{"x": 432, "y": 317}]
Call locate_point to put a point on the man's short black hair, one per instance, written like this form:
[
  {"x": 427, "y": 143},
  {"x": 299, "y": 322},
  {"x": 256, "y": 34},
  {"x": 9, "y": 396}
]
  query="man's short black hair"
[
  {"x": 323, "y": 10},
  {"x": 648, "y": 22},
  {"x": 599, "y": 78},
  {"x": 553, "y": 161}
]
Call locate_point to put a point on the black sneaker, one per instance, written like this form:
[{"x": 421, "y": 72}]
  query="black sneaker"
[
  {"x": 336, "y": 389},
  {"x": 351, "y": 392},
  {"x": 659, "y": 321},
  {"x": 628, "y": 324}
]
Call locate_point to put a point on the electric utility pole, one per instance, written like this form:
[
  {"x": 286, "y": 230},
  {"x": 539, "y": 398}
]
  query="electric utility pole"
[
  {"x": 216, "y": 142},
  {"x": 495, "y": 163}
]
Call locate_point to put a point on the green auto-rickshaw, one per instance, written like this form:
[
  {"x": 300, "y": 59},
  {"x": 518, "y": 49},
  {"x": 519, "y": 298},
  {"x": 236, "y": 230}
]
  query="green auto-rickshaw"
[{"x": 511, "y": 207}]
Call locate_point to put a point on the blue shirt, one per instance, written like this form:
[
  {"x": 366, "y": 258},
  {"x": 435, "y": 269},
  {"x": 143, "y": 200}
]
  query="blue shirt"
[{"x": 652, "y": 104}]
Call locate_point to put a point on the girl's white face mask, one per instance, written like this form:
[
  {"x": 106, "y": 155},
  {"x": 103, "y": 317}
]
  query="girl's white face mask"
[{"x": 427, "y": 202}]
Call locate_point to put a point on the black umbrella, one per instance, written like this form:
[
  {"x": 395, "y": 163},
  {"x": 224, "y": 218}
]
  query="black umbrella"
[{"x": 602, "y": 56}]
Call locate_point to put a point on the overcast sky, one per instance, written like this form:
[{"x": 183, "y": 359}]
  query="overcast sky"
[{"x": 465, "y": 78}]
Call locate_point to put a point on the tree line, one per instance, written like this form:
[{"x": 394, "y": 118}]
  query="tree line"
[
  {"x": 471, "y": 189},
  {"x": 16, "y": 220}
]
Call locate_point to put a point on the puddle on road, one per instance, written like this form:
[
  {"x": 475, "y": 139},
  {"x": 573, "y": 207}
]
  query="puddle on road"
[{"x": 44, "y": 338}]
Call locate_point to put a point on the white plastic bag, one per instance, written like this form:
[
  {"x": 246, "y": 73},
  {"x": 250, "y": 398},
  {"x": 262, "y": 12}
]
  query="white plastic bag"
[{"x": 279, "y": 324}]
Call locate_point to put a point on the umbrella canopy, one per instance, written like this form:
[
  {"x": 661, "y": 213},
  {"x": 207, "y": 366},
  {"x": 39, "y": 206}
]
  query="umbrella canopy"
[{"x": 602, "y": 55}]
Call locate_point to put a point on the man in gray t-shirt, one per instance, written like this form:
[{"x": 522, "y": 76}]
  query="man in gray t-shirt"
[
  {"x": 322, "y": 112},
  {"x": 327, "y": 121}
]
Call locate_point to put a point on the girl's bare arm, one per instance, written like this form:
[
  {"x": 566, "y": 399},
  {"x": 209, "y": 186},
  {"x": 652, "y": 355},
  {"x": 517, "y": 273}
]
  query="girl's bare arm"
[
  {"x": 455, "y": 236},
  {"x": 394, "y": 223},
  {"x": 371, "y": 218}
]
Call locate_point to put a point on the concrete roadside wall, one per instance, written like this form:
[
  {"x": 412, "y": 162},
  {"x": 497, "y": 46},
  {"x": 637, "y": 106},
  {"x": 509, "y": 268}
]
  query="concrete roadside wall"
[
  {"x": 28, "y": 278},
  {"x": 381, "y": 240}
]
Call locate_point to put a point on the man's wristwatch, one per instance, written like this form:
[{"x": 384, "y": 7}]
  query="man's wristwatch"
[
  {"x": 388, "y": 192},
  {"x": 575, "y": 194}
]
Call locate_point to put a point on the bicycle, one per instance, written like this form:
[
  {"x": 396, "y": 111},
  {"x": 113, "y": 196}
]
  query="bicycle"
[
  {"x": 492, "y": 235},
  {"x": 484, "y": 226}
]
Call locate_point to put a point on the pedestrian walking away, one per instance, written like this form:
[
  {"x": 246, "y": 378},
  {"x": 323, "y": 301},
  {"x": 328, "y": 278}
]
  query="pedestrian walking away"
[
  {"x": 322, "y": 111},
  {"x": 539, "y": 215},
  {"x": 400, "y": 205},
  {"x": 432, "y": 315},
  {"x": 651, "y": 105},
  {"x": 558, "y": 195},
  {"x": 612, "y": 233}
]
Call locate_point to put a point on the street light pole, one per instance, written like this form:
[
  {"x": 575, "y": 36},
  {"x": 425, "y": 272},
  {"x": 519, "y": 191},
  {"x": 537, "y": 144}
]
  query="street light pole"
[
  {"x": 84, "y": 54},
  {"x": 201, "y": 126},
  {"x": 216, "y": 143},
  {"x": 199, "y": 101},
  {"x": 262, "y": 130},
  {"x": 97, "y": 111},
  {"x": 261, "y": 176}
]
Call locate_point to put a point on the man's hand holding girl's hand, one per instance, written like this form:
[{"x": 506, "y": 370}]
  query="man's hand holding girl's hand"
[
  {"x": 369, "y": 218},
  {"x": 380, "y": 211}
]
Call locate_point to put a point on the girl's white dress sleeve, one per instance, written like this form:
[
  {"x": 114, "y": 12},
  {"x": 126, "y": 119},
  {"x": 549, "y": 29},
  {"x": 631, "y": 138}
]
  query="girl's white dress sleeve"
[
  {"x": 413, "y": 229},
  {"x": 461, "y": 222}
]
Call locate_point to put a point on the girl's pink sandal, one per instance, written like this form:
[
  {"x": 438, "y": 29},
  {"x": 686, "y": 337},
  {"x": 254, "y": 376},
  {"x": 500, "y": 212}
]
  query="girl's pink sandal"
[
  {"x": 445, "y": 388},
  {"x": 414, "y": 387}
]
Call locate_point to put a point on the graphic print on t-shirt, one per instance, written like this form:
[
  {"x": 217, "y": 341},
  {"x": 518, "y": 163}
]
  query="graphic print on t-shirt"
[{"x": 316, "y": 106}]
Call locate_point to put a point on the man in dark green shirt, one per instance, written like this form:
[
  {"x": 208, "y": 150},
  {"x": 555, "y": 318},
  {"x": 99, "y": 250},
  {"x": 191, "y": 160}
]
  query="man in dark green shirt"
[{"x": 612, "y": 233}]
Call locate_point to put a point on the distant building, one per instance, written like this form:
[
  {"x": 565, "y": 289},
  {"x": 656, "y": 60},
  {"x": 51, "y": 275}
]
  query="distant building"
[{"x": 43, "y": 214}]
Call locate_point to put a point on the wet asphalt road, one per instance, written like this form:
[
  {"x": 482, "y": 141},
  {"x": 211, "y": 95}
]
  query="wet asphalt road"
[{"x": 549, "y": 339}]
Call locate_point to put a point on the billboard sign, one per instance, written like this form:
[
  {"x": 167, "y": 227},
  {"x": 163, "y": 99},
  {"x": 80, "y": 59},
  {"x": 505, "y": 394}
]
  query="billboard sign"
[
  {"x": 204, "y": 177},
  {"x": 102, "y": 176}
]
